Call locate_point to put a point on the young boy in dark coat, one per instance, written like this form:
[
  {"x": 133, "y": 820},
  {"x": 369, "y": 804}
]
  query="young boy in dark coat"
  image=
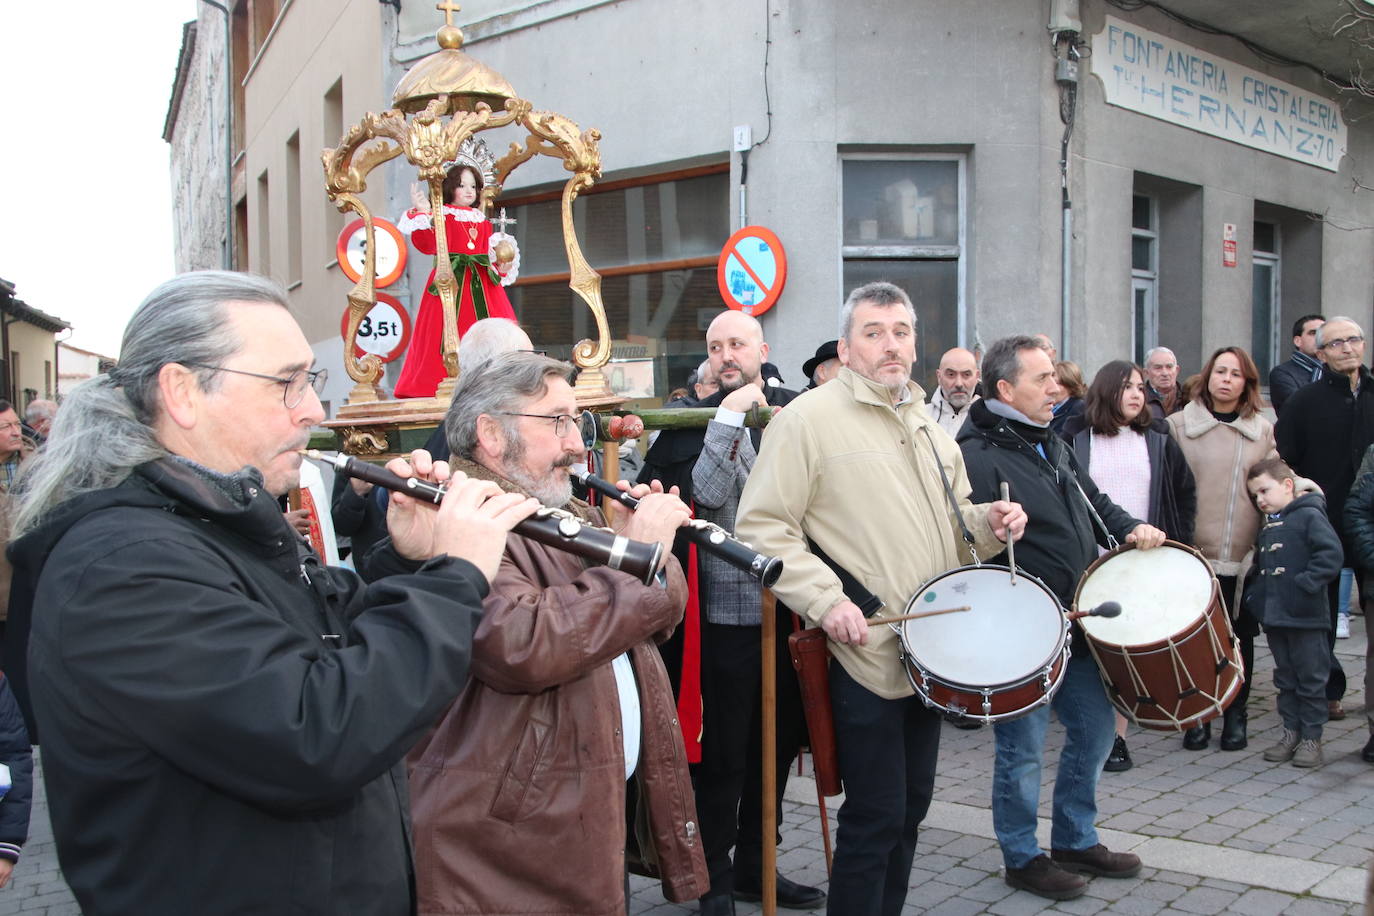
[
  {"x": 17, "y": 754},
  {"x": 1297, "y": 554}
]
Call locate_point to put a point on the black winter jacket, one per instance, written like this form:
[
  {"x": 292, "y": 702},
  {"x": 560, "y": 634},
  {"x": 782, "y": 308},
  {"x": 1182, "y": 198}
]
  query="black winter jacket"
[
  {"x": 1297, "y": 554},
  {"x": 1359, "y": 515},
  {"x": 16, "y": 754},
  {"x": 1323, "y": 432},
  {"x": 1061, "y": 539},
  {"x": 1290, "y": 375},
  {"x": 224, "y": 719},
  {"x": 1173, "y": 490}
]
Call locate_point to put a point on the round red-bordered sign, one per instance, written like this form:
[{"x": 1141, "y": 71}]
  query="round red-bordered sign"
[
  {"x": 752, "y": 270},
  {"x": 391, "y": 251},
  {"x": 384, "y": 330}
]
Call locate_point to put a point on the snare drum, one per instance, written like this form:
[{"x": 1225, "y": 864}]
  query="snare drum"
[
  {"x": 998, "y": 660},
  {"x": 1170, "y": 660}
]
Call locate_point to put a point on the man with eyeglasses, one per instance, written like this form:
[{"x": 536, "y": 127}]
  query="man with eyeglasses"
[
  {"x": 224, "y": 719},
  {"x": 519, "y": 793},
  {"x": 1323, "y": 431}
]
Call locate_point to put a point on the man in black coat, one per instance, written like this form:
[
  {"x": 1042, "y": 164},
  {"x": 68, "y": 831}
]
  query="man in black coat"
[
  {"x": 1007, "y": 439},
  {"x": 1322, "y": 433},
  {"x": 710, "y": 466},
  {"x": 224, "y": 719},
  {"x": 1302, "y": 368}
]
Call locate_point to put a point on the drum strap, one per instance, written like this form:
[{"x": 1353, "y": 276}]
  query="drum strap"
[
  {"x": 867, "y": 602},
  {"x": 949, "y": 492},
  {"x": 1112, "y": 542}
]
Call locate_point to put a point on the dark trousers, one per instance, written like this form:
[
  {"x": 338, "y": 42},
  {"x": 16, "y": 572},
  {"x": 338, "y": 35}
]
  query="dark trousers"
[
  {"x": 1301, "y": 669},
  {"x": 1335, "y": 684},
  {"x": 887, "y": 752},
  {"x": 729, "y": 781},
  {"x": 1247, "y": 628}
]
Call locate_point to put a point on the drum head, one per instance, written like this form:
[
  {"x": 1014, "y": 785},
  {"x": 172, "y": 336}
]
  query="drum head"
[
  {"x": 1012, "y": 630},
  {"x": 1161, "y": 592}
]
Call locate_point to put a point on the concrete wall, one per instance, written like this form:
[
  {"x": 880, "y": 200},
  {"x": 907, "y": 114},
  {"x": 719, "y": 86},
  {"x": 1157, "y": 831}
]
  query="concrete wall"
[
  {"x": 666, "y": 81},
  {"x": 1234, "y": 180},
  {"x": 197, "y": 152}
]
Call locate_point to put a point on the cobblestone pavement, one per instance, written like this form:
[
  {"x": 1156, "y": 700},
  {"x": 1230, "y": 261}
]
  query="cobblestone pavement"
[{"x": 1219, "y": 832}]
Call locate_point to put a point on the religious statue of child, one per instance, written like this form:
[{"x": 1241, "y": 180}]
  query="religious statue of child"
[{"x": 483, "y": 262}]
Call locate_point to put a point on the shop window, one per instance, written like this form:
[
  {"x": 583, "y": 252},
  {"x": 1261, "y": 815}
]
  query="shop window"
[
  {"x": 655, "y": 241},
  {"x": 903, "y": 221},
  {"x": 1144, "y": 276}
]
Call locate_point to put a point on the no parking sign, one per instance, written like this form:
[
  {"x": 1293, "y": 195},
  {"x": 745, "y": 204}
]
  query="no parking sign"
[{"x": 752, "y": 270}]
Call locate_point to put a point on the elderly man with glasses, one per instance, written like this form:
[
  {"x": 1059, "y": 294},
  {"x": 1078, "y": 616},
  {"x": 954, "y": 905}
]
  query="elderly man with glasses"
[
  {"x": 519, "y": 793},
  {"x": 1323, "y": 431},
  {"x": 223, "y": 718}
]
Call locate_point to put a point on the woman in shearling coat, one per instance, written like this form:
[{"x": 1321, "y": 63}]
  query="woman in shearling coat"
[{"x": 1223, "y": 434}]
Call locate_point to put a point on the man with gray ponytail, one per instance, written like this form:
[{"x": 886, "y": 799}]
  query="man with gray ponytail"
[{"x": 223, "y": 718}]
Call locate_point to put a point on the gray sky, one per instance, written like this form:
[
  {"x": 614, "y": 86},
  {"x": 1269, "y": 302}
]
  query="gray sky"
[{"x": 85, "y": 194}]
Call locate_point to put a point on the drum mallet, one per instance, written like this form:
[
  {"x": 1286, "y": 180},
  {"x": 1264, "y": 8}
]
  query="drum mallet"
[
  {"x": 1105, "y": 609},
  {"x": 1011, "y": 549}
]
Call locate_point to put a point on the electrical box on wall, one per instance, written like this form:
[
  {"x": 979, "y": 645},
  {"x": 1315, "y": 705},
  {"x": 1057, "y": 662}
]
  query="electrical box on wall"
[{"x": 744, "y": 138}]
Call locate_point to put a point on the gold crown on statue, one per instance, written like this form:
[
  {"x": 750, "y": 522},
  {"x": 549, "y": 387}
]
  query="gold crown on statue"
[{"x": 474, "y": 152}]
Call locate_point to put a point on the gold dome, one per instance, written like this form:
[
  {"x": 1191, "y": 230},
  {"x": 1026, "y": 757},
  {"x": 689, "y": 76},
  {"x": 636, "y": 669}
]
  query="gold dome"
[{"x": 450, "y": 72}]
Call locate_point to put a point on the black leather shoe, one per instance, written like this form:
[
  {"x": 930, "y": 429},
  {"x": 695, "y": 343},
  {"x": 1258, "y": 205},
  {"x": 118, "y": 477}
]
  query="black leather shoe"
[
  {"x": 1233, "y": 730},
  {"x": 791, "y": 895},
  {"x": 1198, "y": 737},
  {"x": 717, "y": 905},
  {"x": 1120, "y": 758},
  {"x": 1368, "y": 752}
]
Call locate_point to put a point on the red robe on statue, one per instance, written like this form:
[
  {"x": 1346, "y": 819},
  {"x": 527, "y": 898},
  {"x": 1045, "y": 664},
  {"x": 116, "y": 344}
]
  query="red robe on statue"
[{"x": 480, "y": 294}]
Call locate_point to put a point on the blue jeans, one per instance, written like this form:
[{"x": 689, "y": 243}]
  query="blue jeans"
[{"x": 1090, "y": 726}]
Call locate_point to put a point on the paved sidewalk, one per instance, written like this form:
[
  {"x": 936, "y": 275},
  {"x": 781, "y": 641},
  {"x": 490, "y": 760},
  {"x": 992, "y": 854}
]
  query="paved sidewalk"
[{"x": 1219, "y": 832}]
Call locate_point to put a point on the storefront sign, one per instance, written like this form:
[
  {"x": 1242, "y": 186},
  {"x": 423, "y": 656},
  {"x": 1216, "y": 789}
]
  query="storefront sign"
[
  {"x": 752, "y": 270},
  {"x": 1157, "y": 76}
]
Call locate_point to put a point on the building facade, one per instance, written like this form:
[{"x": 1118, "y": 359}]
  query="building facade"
[
  {"x": 1215, "y": 190},
  {"x": 29, "y": 350}
]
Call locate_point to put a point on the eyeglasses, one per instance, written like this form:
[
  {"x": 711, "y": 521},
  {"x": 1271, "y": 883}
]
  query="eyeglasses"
[
  {"x": 562, "y": 422},
  {"x": 1340, "y": 343},
  {"x": 293, "y": 386}
]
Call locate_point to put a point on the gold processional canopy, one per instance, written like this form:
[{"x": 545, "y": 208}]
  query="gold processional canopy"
[{"x": 439, "y": 106}]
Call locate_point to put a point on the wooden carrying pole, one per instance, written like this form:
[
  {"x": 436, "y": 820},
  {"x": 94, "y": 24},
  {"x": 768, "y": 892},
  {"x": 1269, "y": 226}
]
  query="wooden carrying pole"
[{"x": 769, "y": 869}]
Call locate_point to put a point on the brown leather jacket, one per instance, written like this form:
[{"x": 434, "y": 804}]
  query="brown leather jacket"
[{"x": 518, "y": 796}]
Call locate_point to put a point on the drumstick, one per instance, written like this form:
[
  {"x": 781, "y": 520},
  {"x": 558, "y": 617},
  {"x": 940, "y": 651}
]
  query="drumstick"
[
  {"x": 877, "y": 621},
  {"x": 1011, "y": 549}
]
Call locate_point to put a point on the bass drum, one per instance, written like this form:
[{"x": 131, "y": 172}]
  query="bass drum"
[
  {"x": 1000, "y": 659},
  {"x": 1169, "y": 660}
]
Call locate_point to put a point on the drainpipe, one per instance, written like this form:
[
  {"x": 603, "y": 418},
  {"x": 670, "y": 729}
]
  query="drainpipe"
[
  {"x": 1064, "y": 27},
  {"x": 227, "y": 255}
]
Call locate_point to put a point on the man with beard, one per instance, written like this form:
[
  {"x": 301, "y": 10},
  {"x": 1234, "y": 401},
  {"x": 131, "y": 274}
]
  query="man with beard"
[
  {"x": 518, "y": 795},
  {"x": 851, "y": 478},
  {"x": 713, "y": 465},
  {"x": 1008, "y": 439},
  {"x": 957, "y": 378}
]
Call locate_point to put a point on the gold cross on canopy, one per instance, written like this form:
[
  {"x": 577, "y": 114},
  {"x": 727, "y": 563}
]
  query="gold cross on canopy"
[{"x": 448, "y": 8}]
